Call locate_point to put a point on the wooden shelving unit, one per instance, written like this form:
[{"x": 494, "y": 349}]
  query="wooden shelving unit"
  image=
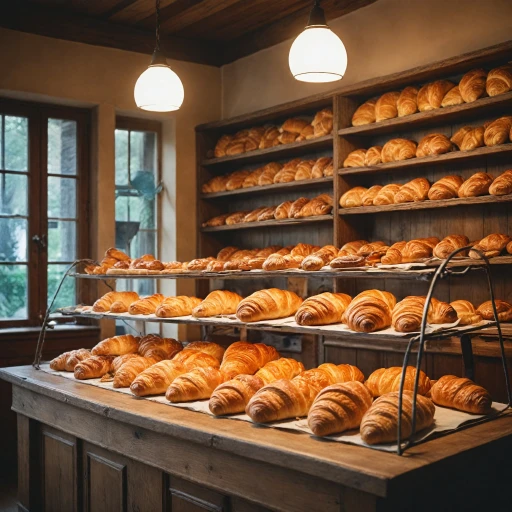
[{"x": 269, "y": 223}]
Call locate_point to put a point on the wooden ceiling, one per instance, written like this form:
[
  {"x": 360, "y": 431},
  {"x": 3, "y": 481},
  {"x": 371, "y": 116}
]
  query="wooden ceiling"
[{"x": 213, "y": 32}]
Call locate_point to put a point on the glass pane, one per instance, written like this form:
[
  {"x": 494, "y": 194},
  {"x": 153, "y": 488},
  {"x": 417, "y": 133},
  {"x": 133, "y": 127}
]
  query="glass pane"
[
  {"x": 61, "y": 197},
  {"x": 13, "y": 239},
  {"x": 67, "y": 294},
  {"x": 1, "y": 142},
  {"x": 13, "y": 292},
  {"x": 61, "y": 146},
  {"x": 13, "y": 194},
  {"x": 122, "y": 208},
  {"x": 61, "y": 240},
  {"x": 121, "y": 157},
  {"x": 144, "y": 243},
  {"x": 142, "y": 152},
  {"x": 16, "y": 143}
]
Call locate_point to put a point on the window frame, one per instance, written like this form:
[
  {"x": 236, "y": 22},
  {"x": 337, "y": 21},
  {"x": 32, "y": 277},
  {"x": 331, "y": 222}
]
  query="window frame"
[{"x": 38, "y": 115}]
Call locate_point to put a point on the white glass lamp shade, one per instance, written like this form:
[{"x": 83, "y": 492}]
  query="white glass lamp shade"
[
  {"x": 159, "y": 89},
  {"x": 318, "y": 55}
]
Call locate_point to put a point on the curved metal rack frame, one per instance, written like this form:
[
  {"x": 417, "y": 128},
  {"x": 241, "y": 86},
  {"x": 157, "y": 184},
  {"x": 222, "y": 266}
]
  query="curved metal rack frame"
[{"x": 441, "y": 273}]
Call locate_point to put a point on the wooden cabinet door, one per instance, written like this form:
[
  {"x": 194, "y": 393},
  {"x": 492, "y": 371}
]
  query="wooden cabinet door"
[{"x": 188, "y": 497}]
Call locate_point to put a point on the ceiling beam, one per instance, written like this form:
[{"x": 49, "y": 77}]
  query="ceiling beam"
[
  {"x": 136, "y": 10},
  {"x": 61, "y": 24}
]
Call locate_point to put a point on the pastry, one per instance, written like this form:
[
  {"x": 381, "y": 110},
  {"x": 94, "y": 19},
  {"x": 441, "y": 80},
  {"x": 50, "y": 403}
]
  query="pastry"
[
  {"x": 254, "y": 214},
  {"x": 491, "y": 246},
  {"x": 281, "y": 262},
  {"x": 236, "y": 179},
  {"x": 269, "y": 138},
  {"x": 386, "y": 106},
  {"x": 283, "y": 210},
  {"x": 504, "y": 310},
  {"x": 338, "y": 408},
  {"x": 445, "y": 188},
  {"x": 466, "y": 312},
  {"x": 329, "y": 169},
  {"x": 199, "y": 264},
  {"x": 68, "y": 360},
  {"x": 246, "y": 358},
  {"x": 117, "y": 346},
  {"x": 419, "y": 248},
  {"x": 222, "y": 144},
  {"x": 155, "y": 347},
  {"x": 219, "y": 220},
  {"x": 433, "y": 144},
  {"x": 462, "y": 394},
  {"x": 498, "y": 132},
  {"x": 147, "y": 305},
  {"x": 355, "y": 158},
  {"x": 235, "y": 218},
  {"x": 370, "y": 311},
  {"x": 398, "y": 149},
  {"x": 458, "y": 137},
  {"x": 293, "y": 125},
  {"x": 93, "y": 367},
  {"x": 352, "y": 247},
  {"x": 268, "y": 173},
  {"x": 473, "y": 139},
  {"x": 322, "y": 123},
  {"x": 502, "y": 185},
  {"x": 370, "y": 195},
  {"x": 349, "y": 261},
  {"x": 393, "y": 255},
  {"x": 408, "y": 313},
  {"x": 304, "y": 170},
  {"x": 415, "y": 190},
  {"x": 380, "y": 422},
  {"x": 317, "y": 206},
  {"x": 196, "y": 384},
  {"x": 319, "y": 167},
  {"x": 365, "y": 113},
  {"x": 353, "y": 198},
  {"x": 253, "y": 178},
  {"x": 387, "y": 380},
  {"x": 297, "y": 206},
  {"x": 177, "y": 306},
  {"x": 267, "y": 214},
  {"x": 293, "y": 398},
  {"x": 476, "y": 185},
  {"x": 449, "y": 244},
  {"x": 268, "y": 304},
  {"x": 218, "y": 302},
  {"x": 226, "y": 253},
  {"x": 407, "y": 103},
  {"x": 320, "y": 258},
  {"x": 216, "y": 184},
  {"x": 287, "y": 173},
  {"x": 308, "y": 132},
  {"x": 431, "y": 95},
  {"x": 472, "y": 85},
  {"x": 373, "y": 156},
  {"x": 452, "y": 97},
  {"x": 287, "y": 137},
  {"x": 130, "y": 369},
  {"x": 103, "y": 304},
  {"x": 499, "y": 80},
  {"x": 323, "y": 309},
  {"x": 207, "y": 347},
  {"x": 386, "y": 194}
]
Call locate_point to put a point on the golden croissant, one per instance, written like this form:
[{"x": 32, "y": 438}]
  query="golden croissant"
[
  {"x": 499, "y": 80},
  {"x": 415, "y": 190},
  {"x": 498, "y": 132},
  {"x": 68, "y": 360},
  {"x": 407, "y": 103},
  {"x": 320, "y": 258},
  {"x": 491, "y": 245},
  {"x": 386, "y": 194},
  {"x": 232, "y": 396},
  {"x": 353, "y": 198},
  {"x": 117, "y": 346},
  {"x": 207, "y": 347},
  {"x": 293, "y": 398},
  {"x": 504, "y": 310},
  {"x": 153, "y": 346},
  {"x": 338, "y": 408},
  {"x": 386, "y": 106},
  {"x": 393, "y": 255},
  {"x": 127, "y": 373},
  {"x": 242, "y": 357},
  {"x": 387, "y": 380},
  {"x": 373, "y": 156},
  {"x": 502, "y": 185},
  {"x": 93, "y": 367},
  {"x": 476, "y": 185},
  {"x": 452, "y": 97},
  {"x": 466, "y": 312},
  {"x": 380, "y": 422},
  {"x": 433, "y": 144},
  {"x": 462, "y": 394},
  {"x": 449, "y": 244},
  {"x": 177, "y": 306},
  {"x": 103, "y": 304},
  {"x": 370, "y": 311},
  {"x": 472, "y": 85},
  {"x": 196, "y": 384},
  {"x": 431, "y": 95},
  {"x": 370, "y": 194},
  {"x": 325, "y": 308},
  {"x": 408, "y": 313},
  {"x": 398, "y": 149},
  {"x": 147, "y": 305},
  {"x": 355, "y": 158},
  {"x": 268, "y": 304},
  {"x": 365, "y": 113},
  {"x": 445, "y": 188},
  {"x": 218, "y": 302}
]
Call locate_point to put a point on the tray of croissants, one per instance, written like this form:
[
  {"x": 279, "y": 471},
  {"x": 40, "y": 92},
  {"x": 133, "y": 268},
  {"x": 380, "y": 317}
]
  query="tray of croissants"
[
  {"x": 251, "y": 382},
  {"x": 371, "y": 311}
]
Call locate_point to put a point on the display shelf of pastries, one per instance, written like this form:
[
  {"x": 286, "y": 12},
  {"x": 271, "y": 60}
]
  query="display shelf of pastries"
[
  {"x": 456, "y": 113},
  {"x": 269, "y": 223}
]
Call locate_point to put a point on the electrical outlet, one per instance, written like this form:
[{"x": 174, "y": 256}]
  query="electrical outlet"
[{"x": 284, "y": 343}]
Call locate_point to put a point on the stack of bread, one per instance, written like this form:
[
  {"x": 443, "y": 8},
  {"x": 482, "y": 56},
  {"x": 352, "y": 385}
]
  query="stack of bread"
[
  {"x": 475, "y": 84},
  {"x": 263, "y": 137},
  {"x": 419, "y": 189}
]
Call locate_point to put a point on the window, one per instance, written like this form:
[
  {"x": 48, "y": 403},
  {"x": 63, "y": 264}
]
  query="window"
[
  {"x": 43, "y": 193},
  {"x": 137, "y": 179}
]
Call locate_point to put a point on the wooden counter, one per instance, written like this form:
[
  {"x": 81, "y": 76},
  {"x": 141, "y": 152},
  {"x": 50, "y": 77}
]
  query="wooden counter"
[{"x": 84, "y": 448}]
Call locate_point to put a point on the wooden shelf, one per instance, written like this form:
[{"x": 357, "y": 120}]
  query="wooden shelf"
[
  {"x": 269, "y": 223},
  {"x": 454, "y": 156},
  {"x": 276, "y": 187},
  {"x": 457, "y": 113},
  {"x": 282, "y": 151},
  {"x": 426, "y": 205}
]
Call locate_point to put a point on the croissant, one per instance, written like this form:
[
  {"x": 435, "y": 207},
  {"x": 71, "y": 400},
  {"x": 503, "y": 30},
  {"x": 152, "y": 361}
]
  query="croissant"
[
  {"x": 154, "y": 347},
  {"x": 325, "y": 308},
  {"x": 316, "y": 206},
  {"x": 320, "y": 258},
  {"x": 386, "y": 106},
  {"x": 504, "y": 310},
  {"x": 498, "y": 132},
  {"x": 509, "y": 247},
  {"x": 430, "y": 96},
  {"x": 502, "y": 185},
  {"x": 353, "y": 198},
  {"x": 304, "y": 250},
  {"x": 319, "y": 167},
  {"x": 398, "y": 149},
  {"x": 452, "y": 97},
  {"x": 433, "y": 144},
  {"x": 349, "y": 261},
  {"x": 177, "y": 306},
  {"x": 370, "y": 311},
  {"x": 268, "y": 304},
  {"x": 207, "y": 347},
  {"x": 293, "y": 398},
  {"x": 268, "y": 174},
  {"x": 323, "y": 122},
  {"x": 380, "y": 422},
  {"x": 117, "y": 346},
  {"x": 365, "y": 113},
  {"x": 199, "y": 264},
  {"x": 407, "y": 103},
  {"x": 68, "y": 360},
  {"x": 103, "y": 304},
  {"x": 293, "y": 125},
  {"x": 458, "y": 137},
  {"x": 351, "y": 247},
  {"x": 462, "y": 394},
  {"x": 308, "y": 132},
  {"x": 329, "y": 169},
  {"x": 304, "y": 170},
  {"x": 236, "y": 179},
  {"x": 415, "y": 190},
  {"x": 219, "y": 220},
  {"x": 445, "y": 188},
  {"x": 222, "y": 144},
  {"x": 253, "y": 179},
  {"x": 93, "y": 367},
  {"x": 157, "y": 378},
  {"x": 499, "y": 80},
  {"x": 338, "y": 408},
  {"x": 246, "y": 358},
  {"x": 194, "y": 385},
  {"x": 466, "y": 312},
  {"x": 281, "y": 261},
  {"x": 130, "y": 369},
  {"x": 473, "y": 139},
  {"x": 269, "y": 139},
  {"x": 472, "y": 85},
  {"x": 386, "y": 194},
  {"x": 491, "y": 245},
  {"x": 373, "y": 156},
  {"x": 418, "y": 249},
  {"x": 408, "y": 313},
  {"x": 267, "y": 214},
  {"x": 287, "y": 173},
  {"x": 232, "y": 396},
  {"x": 476, "y": 185},
  {"x": 297, "y": 206},
  {"x": 147, "y": 305},
  {"x": 216, "y": 184},
  {"x": 254, "y": 214},
  {"x": 218, "y": 302},
  {"x": 370, "y": 194},
  {"x": 449, "y": 244},
  {"x": 355, "y": 158},
  {"x": 393, "y": 255}
]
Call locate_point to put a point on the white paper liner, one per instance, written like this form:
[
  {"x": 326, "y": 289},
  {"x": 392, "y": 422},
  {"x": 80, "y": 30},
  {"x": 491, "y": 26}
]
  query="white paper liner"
[{"x": 446, "y": 420}]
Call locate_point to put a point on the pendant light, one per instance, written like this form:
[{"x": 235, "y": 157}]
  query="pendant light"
[
  {"x": 159, "y": 88},
  {"x": 318, "y": 54}
]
